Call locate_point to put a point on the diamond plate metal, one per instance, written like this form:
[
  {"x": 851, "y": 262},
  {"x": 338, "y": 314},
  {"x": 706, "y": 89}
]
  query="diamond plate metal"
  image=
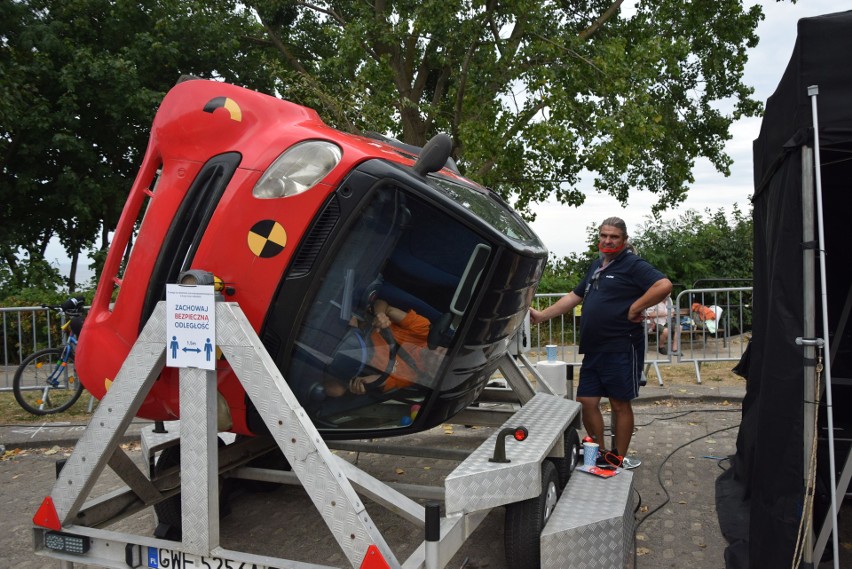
[
  {"x": 592, "y": 525},
  {"x": 199, "y": 465},
  {"x": 311, "y": 460},
  {"x": 152, "y": 441},
  {"x": 477, "y": 484},
  {"x": 111, "y": 419}
]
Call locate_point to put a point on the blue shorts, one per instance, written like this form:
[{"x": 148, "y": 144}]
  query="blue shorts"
[{"x": 614, "y": 375}]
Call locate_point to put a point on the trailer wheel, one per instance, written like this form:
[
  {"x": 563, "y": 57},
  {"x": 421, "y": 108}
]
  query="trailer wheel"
[
  {"x": 273, "y": 460},
  {"x": 525, "y": 520},
  {"x": 566, "y": 465},
  {"x": 169, "y": 510}
]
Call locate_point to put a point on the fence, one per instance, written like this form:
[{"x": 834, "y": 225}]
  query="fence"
[
  {"x": 25, "y": 330},
  {"x": 698, "y": 338},
  {"x": 28, "y": 328}
]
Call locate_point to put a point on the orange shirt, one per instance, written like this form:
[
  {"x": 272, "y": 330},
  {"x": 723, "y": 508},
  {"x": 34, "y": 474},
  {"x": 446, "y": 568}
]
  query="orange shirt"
[
  {"x": 703, "y": 312},
  {"x": 411, "y": 334}
]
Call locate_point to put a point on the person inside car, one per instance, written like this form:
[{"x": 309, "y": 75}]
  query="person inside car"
[{"x": 392, "y": 353}]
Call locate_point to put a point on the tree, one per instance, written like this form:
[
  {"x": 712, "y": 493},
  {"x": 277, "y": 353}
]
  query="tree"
[
  {"x": 563, "y": 274},
  {"x": 81, "y": 83},
  {"x": 692, "y": 247},
  {"x": 534, "y": 94},
  {"x": 716, "y": 246}
]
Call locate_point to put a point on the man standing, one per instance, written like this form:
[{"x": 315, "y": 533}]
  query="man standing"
[{"x": 615, "y": 293}]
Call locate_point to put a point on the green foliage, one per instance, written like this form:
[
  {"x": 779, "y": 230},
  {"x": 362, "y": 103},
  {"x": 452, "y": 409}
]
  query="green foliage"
[
  {"x": 81, "y": 81},
  {"x": 693, "y": 247},
  {"x": 563, "y": 274},
  {"x": 29, "y": 273},
  {"x": 31, "y": 331},
  {"x": 717, "y": 245},
  {"x": 534, "y": 94}
]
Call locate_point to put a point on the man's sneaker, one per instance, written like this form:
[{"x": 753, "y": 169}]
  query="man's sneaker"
[
  {"x": 629, "y": 463},
  {"x": 608, "y": 458}
]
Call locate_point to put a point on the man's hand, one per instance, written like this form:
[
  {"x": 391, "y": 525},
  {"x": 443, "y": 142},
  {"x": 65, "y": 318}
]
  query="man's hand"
[
  {"x": 562, "y": 306},
  {"x": 535, "y": 316},
  {"x": 635, "y": 315},
  {"x": 358, "y": 386},
  {"x": 381, "y": 321}
]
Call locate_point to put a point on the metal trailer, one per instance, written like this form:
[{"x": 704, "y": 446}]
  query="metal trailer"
[{"x": 591, "y": 525}]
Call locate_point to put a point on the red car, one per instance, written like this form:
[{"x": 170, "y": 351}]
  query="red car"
[{"x": 309, "y": 229}]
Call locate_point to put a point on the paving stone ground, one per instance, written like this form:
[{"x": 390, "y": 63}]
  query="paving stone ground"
[{"x": 683, "y": 445}]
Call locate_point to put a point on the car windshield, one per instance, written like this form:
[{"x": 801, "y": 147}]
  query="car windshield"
[
  {"x": 403, "y": 253},
  {"x": 486, "y": 207}
]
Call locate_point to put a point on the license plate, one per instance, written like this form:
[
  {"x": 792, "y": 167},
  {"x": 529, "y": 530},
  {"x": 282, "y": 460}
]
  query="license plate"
[{"x": 161, "y": 558}]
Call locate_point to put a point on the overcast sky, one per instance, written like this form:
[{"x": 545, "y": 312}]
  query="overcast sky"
[{"x": 563, "y": 228}]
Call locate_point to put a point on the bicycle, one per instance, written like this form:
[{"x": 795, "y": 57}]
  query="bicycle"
[{"x": 46, "y": 381}]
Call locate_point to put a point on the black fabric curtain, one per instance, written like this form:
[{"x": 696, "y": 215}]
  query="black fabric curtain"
[{"x": 760, "y": 498}]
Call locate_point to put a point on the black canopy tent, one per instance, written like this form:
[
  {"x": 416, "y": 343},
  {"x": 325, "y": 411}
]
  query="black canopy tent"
[{"x": 761, "y": 498}]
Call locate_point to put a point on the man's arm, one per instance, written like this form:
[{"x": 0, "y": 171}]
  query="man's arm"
[
  {"x": 658, "y": 291},
  {"x": 561, "y": 306},
  {"x": 384, "y": 314}
]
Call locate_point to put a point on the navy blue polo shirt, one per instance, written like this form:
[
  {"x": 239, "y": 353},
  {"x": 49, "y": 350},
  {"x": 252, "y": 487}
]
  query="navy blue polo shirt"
[{"x": 607, "y": 296}]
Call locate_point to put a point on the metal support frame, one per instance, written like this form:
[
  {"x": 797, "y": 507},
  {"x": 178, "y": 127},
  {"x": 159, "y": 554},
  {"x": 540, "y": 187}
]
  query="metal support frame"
[
  {"x": 809, "y": 394},
  {"x": 813, "y": 93},
  {"x": 842, "y": 484},
  {"x": 318, "y": 470},
  {"x": 329, "y": 480}
]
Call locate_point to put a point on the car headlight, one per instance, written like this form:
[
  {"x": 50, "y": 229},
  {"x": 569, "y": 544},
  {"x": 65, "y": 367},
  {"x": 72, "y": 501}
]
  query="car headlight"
[{"x": 298, "y": 169}]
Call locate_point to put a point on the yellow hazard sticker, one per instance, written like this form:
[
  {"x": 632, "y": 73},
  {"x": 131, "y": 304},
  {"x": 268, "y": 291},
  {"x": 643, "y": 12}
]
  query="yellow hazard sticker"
[
  {"x": 228, "y": 104},
  {"x": 267, "y": 238}
]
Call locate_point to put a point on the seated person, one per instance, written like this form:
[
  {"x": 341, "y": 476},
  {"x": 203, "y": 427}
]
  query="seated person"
[
  {"x": 376, "y": 363},
  {"x": 706, "y": 315},
  {"x": 658, "y": 320}
]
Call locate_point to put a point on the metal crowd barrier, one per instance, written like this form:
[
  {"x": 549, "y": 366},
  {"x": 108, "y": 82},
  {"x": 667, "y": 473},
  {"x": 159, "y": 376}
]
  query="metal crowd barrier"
[
  {"x": 694, "y": 341},
  {"x": 25, "y": 330},
  {"x": 28, "y": 328}
]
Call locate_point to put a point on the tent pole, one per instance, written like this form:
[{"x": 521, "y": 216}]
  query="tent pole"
[
  {"x": 813, "y": 92},
  {"x": 809, "y": 394}
]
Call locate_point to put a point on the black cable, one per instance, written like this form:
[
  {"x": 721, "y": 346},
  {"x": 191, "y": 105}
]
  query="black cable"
[
  {"x": 638, "y": 500},
  {"x": 676, "y": 414},
  {"x": 660, "y": 481},
  {"x": 673, "y": 415},
  {"x": 660, "y": 470},
  {"x": 684, "y": 413}
]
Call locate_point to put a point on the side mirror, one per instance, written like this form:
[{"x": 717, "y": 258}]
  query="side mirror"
[{"x": 434, "y": 155}]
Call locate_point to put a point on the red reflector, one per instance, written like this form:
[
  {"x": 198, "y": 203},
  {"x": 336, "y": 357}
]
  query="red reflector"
[
  {"x": 521, "y": 433},
  {"x": 46, "y": 515},
  {"x": 374, "y": 559}
]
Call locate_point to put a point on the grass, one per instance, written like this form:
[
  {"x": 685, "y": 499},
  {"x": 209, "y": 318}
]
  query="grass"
[
  {"x": 712, "y": 373},
  {"x": 11, "y": 413}
]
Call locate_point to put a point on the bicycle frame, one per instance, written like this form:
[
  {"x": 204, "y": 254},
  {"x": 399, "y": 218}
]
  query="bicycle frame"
[{"x": 61, "y": 367}]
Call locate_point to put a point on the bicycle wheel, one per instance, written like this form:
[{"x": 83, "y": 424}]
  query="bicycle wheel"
[{"x": 45, "y": 383}]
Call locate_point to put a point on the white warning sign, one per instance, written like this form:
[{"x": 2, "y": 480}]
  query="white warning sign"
[{"x": 190, "y": 326}]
